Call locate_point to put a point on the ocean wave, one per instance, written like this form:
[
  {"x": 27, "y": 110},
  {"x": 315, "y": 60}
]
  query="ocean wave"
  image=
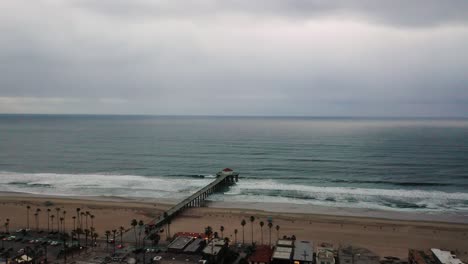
[{"x": 246, "y": 190}]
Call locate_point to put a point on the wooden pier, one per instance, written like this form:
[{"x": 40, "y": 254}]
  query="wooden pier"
[{"x": 223, "y": 179}]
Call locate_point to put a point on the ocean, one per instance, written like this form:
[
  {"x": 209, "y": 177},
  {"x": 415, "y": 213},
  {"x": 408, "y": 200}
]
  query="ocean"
[{"x": 385, "y": 164}]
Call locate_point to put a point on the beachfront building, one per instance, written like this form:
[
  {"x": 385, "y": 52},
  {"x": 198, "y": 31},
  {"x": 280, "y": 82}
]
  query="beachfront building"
[
  {"x": 303, "y": 253},
  {"x": 179, "y": 244},
  {"x": 283, "y": 251},
  {"x": 196, "y": 246},
  {"x": 444, "y": 257},
  {"x": 214, "y": 249},
  {"x": 324, "y": 255},
  {"x": 420, "y": 257},
  {"x": 355, "y": 255},
  {"x": 262, "y": 255}
]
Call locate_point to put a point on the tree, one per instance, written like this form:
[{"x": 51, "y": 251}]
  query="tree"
[
  {"x": 235, "y": 235},
  {"x": 252, "y": 219},
  {"x": 87, "y": 214},
  {"x": 86, "y": 232},
  {"x": 261, "y": 231},
  {"x": 27, "y": 215},
  {"x": 134, "y": 223},
  {"x": 78, "y": 216},
  {"x": 52, "y": 220},
  {"x": 122, "y": 230},
  {"x": 48, "y": 220},
  {"x": 140, "y": 227},
  {"x": 81, "y": 219},
  {"x": 243, "y": 233},
  {"x": 114, "y": 231},
  {"x": 74, "y": 222},
  {"x": 277, "y": 231},
  {"x": 95, "y": 236},
  {"x": 58, "y": 217},
  {"x": 92, "y": 220},
  {"x": 36, "y": 216},
  {"x": 61, "y": 223},
  {"x": 270, "y": 225},
  {"x": 7, "y": 225},
  {"x": 221, "y": 229},
  {"x": 107, "y": 240},
  {"x": 208, "y": 231},
  {"x": 63, "y": 226}
]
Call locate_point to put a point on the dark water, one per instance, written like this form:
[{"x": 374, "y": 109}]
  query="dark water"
[{"x": 396, "y": 164}]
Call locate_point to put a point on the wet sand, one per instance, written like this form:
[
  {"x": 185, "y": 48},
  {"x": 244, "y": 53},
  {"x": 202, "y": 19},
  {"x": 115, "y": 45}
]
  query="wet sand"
[{"x": 382, "y": 235}]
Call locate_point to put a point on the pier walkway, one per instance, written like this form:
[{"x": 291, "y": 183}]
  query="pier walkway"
[{"x": 224, "y": 178}]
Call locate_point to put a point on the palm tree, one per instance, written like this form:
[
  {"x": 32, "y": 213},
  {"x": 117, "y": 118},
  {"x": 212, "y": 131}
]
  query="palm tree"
[
  {"x": 61, "y": 223},
  {"x": 222, "y": 231},
  {"x": 7, "y": 225},
  {"x": 92, "y": 220},
  {"x": 235, "y": 235},
  {"x": 277, "y": 231},
  {"x": 81, "y": 219},
  {"x": 74, "y": 222},
  {"x": 78, "y": 232},
  {"x": 140, "y": 227},
  {"x": 48, "y": 219},
  {"x": 95, "y": 236},
  {"x": 64, "y": 226},
  {"x": 58, "y": 217},
  {"x": 35, "y": 220},
  {"x": 52, "y": 220},
  {"x": 107, "y": 240},
  {"x": 27, "y": 215},
  {"x": 121, "y": 229},
  {"x": 261, "y": 231},
  {"x": 134, "y": 223},
  {"x": 270, "y": 225},
  {"x": 252, "y": 219},
  {"x": 208, "y": 231},
  {"x": 113, "y": 232},
  {"x": 92, "y": 231},
  {"x": 87, "y": 214},
  {"x": 86, "y": 232},
  {"x": 78, "y": 216},
  {"x": 38, "y": 211},
  {"x": 243, "y": 233}
]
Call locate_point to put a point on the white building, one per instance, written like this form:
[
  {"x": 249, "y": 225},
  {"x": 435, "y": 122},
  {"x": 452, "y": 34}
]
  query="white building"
[{"x": 445, "y": 257}]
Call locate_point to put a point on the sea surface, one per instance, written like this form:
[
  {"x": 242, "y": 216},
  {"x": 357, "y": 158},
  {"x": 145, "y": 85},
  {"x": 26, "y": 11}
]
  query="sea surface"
[{"x": 387, "y": 164}]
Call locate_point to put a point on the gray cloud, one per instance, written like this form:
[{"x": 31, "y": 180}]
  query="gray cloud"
[{"x": 234, "y": 57}]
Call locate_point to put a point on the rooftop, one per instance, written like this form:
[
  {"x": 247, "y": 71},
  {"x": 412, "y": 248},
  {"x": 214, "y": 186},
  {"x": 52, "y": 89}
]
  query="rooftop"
[
  {"x": 285, "y": 243},
  {"x": 445, "y": 257},
  {"x": 180, "y": 242},
  {"x": 303, "y": 251},
  {"x": 282, "y": 253},
  {"x": 325, "y": 253},
  {"x": 261, "y": 254}
]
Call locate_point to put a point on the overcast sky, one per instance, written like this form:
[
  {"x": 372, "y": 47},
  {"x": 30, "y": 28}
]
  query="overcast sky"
[{"x": 235, "y": 57}]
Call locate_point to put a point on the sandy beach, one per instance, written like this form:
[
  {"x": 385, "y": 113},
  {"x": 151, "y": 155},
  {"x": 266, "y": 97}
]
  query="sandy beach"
[{"x": 383, "y": 236}]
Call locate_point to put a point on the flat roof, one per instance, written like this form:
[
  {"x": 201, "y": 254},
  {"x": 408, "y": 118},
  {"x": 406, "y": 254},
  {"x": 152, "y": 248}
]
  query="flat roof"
[
  {"x": 303, "y": 251},
  {"x": 261, "y": 254},
  {"x": 281, "y": 255},
  {"x": 214, "y": 247},
  {"x": 445, "y": 257},
  {"x": 285, "y": 243},
  {"x": 195, "y": 245},
  {"x": 180, "y": 242}
]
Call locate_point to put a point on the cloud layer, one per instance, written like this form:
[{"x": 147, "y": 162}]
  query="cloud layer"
[{"x": 271, "y": 57}]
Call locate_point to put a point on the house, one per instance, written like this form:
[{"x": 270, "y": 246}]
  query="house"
[
  {"x": 444, "y": 257},
  {"x": 303, "y": 253},
  {"x": 262, "y": 255},
  {"x": 356, "y": 255},
  {"x": 196, "y": 246},
  {"x": 325, "y": 255},
  {"x": 282, "y": 255},
  {"x": 179, "y": 244}
]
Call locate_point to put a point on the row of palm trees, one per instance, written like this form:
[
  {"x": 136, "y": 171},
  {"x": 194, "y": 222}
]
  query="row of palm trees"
[
  {"x": 209, "y": 230},
  {"x": 261, "y": 223},
  {"x": 79, "y": 221}
]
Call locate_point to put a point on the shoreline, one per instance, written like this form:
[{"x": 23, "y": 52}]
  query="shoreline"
[
  {"x": 272, "y": 208},
  {"x": 383, "y": 236}
]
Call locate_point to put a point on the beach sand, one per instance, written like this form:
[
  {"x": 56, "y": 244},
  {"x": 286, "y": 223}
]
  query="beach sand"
[{"x": 383, "y": 236}]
